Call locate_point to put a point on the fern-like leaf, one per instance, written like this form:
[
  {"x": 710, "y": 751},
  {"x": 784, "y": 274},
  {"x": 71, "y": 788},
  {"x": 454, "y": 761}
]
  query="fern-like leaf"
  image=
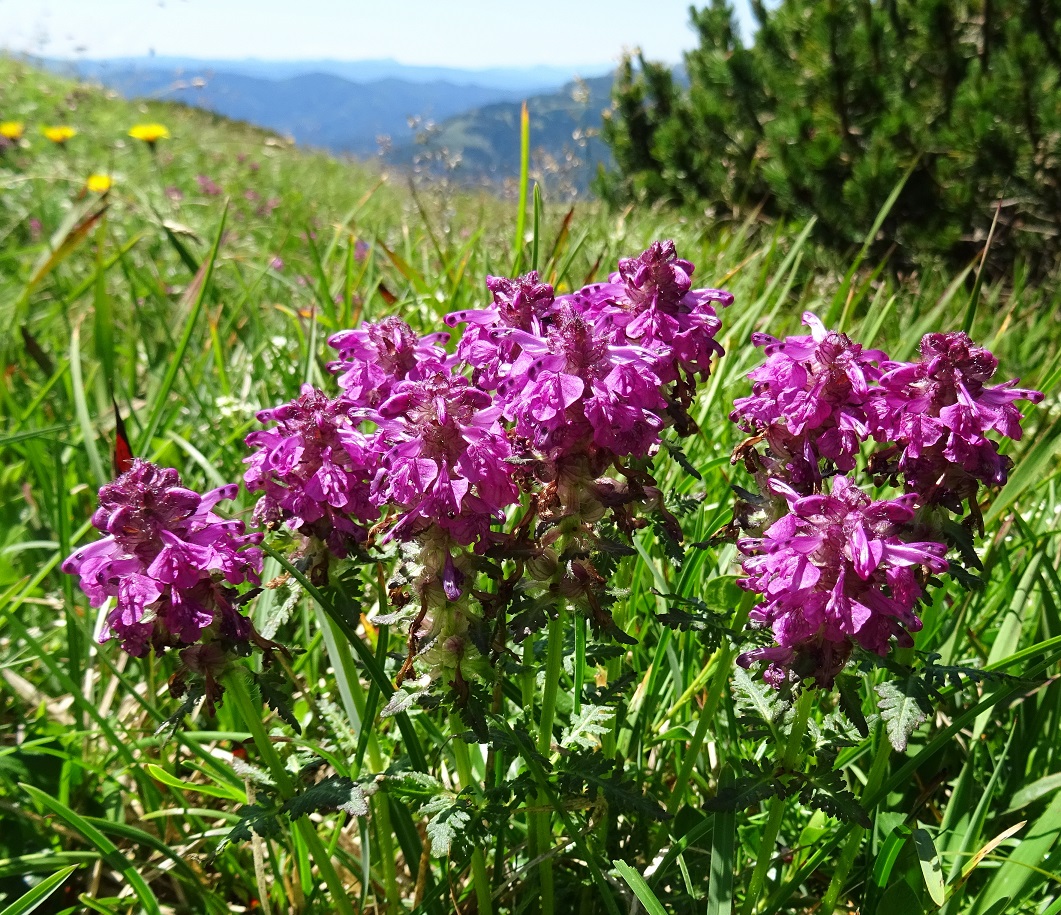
[
  {"x": 276, "y": 689},
  {"x": 904, "y": 705},
  {"x": 332, "y": 793},
  {"x": 449, "y": 817},
  {"x": 586, "y": 731},
  {"x": 753, "y": 697}
]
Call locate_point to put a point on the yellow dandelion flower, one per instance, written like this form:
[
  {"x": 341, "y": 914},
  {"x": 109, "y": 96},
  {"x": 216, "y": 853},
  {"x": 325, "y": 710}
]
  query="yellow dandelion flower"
[
  {"x": 99, "y": 184},
  {"x": 12, "y": 130},
  {"x": 60, "y": 134},
  {"x": 149, "y": 133}
]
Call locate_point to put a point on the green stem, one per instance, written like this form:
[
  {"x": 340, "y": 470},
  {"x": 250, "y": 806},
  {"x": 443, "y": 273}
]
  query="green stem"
[
  {"x": 580, "y": 664},
  {"x": 723, "y": 658},
  {"x": 854, "y": 840},
  {"x": 236, "y": 687},
  {"x": 483, "y": 889},
  {"x": 352, "y": 695},
  {"x": 381, "y": 816},
  {"x": 777, "y": 808},
  {"x": 542, "y": 821},
  {"x": 553, "y": 660}
]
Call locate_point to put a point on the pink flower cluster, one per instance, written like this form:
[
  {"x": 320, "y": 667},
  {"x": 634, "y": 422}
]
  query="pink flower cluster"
[
  {"x": 809, "y": 401},
  {"x": 817, "y": 398},
  {"x": 594, "y": 373},
  {"x": 938, "y": 412},
  {"x": 315, "y": 468},
  {"x": 602, "y": 369},
  {"x": 168, "y": 561},
  {"x": 842, "y": 569},
  {"x": 834, "y": 571},
  {"x": 546, "y": 400}
]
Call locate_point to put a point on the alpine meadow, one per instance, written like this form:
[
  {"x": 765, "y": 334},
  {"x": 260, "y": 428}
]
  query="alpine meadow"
[{"x": 374, "y": 543}]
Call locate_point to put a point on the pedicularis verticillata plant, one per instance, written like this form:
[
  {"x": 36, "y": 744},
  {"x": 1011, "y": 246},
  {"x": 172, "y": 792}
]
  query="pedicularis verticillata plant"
[
  {"x": 836, "y": 567},
  {"x": 502, "y": 479}
]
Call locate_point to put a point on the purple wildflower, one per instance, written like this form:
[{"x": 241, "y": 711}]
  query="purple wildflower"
[
  {"x": 650, "y": 302},
  {"x": 808, "y": 400},
  {"x": 446, "y": 459},
  {"x": 834, "y": 572},
  {"x": 277, "y": 263},
  {"x": 208, "y": 186},
  {"x": 167, "y": 560},
  {"x": 375, "y": 357},
  {"x": 361, "y": 249},
  {"x": 524, "y": 304},
  {"x": 575, "y": 386},
  {"x": 315, "y": 469},
  {"x": 939, "y": 411}
]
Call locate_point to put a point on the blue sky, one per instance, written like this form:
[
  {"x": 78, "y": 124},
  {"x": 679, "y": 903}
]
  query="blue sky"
[{"x": 460, "y": 33}]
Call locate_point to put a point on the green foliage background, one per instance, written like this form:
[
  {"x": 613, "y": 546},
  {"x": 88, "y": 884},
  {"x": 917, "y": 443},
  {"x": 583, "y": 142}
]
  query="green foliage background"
[{"x": 837, "y": 102}]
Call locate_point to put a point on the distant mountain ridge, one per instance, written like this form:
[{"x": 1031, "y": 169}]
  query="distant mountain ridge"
[
  {"x": 520, "y": 79},
  {"x": 316, "y": 109},
  {"x": 468, "y": 130}
]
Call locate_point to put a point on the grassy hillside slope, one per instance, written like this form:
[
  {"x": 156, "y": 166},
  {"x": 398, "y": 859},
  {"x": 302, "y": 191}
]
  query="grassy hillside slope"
[{"x": 201, "y": 289}]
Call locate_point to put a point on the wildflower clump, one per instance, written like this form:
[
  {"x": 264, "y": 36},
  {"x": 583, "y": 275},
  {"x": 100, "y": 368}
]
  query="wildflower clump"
[
  {"x": 498, "y": 471},
  {"x": 502, "y": 472},
  {"x": 838, "y": 567},
  {"x": 168, "y": 561}
]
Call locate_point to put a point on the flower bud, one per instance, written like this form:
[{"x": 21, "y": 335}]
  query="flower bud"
[{"x": 542, "y": 565}]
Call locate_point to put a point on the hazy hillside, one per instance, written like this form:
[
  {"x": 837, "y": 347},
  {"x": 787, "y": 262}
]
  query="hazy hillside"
[
  {"x": 317, "y": 109},
  {"x": 523, "y": 79},
  {"x": 482, "y": 145},
  {"x": 467, "y": 130}
]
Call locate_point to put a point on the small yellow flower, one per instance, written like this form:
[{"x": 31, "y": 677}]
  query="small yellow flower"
[
  {"x": 12, "y": 130},
  {"x": 99, "y": 184},
  {"x": 149, "y": 133},
  {"x": 59, "y": 135}
]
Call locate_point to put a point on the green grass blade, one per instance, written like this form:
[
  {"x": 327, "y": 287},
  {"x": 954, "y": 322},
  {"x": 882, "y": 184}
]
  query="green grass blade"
[
  {"x": 1019, "y": 875},
  {"x": 974, "y": 298},
  {"x": 39, "y": 893},
  {"x": 931, "y": 870},
  {"x": 106, "y": 848},
  {"x": 375, "y": 671},
  {"x": 88, "y": 432},
  {"x": 69, "y": 237},
  {"x": 524, "y": 180},
  {"x": 636, "y": 882},
  {"x": 1029, "y": 472},
  {"x": 536, "y": 238},
  {"x": 196, "y": 296},
  {"x": 723, "y": 855},
  {"x": 840, "y": 298},
  {"x": 103, "y": 314}
]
